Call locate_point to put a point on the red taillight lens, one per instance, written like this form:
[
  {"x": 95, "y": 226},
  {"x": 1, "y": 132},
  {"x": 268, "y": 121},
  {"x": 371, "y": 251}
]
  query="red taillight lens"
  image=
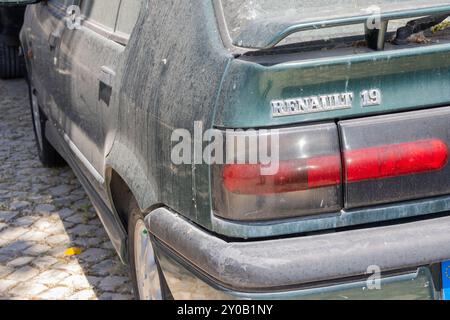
[
  {"x": 360, "y": 165},
  {"x": 293, "y": 175},
  {"x": 395, "y": 160}
]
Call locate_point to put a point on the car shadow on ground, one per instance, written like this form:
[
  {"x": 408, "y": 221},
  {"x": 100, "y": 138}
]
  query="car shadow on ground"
[{"x": 44, "y": 212}]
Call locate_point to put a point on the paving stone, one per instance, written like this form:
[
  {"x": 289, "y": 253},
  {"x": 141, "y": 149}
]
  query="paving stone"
[
  {"x": 18, "y": 205},
  {"x": 45, "y": 208},
  {"x": 28, "y": 289},
  {"x": 65, "y": 213},
  {"x": 104, "y": 268},
  {"x": 43, "y": 224},
  {"x": 5, "y": 285},
  {"x": 107, "y": 245},
  {"x": 4, "y": 259},
  {"x": 83, "y": 295},
  {"x": 92, "y": 255},
  {"x": 70, "y": 267},
  {"x": 115, "y": 296},
  {"x": 80, "y": 282},
  {"x": 76, "y": 218},
  {"x": 82, "y": 230},
  {"x": 60, "y": 190},
  {"x": 15, "y": 248},
  {"x": 51, "y": 277},
  {"x": 49, "y": 226},
  {"x": 82, "y": 205},
  {"x": 58, "y": 293},
  {"x": 58, "y": 252},
  {"x": 23, "y": 274},
  {"x": 87, "y": 242},
  {"x": 12, "y": 233},
  {"x": 95, "y": 222},
  {"x": 111, "y": 283},
  {"x": 61, "y": 239},
  {"x": 33, "y": 236},
  {"x": 20, "y": 262},
  {"x": 4, "y": 271},
  {"x": 6, "y": 216},
  {"x": 44, "y": 262},
  {"x": 37, "y": 249},
  {"x": 26, "y": 221}
]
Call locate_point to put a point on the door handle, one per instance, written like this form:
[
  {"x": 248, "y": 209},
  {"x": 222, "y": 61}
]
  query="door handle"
[{"x": 106, "y": 76}]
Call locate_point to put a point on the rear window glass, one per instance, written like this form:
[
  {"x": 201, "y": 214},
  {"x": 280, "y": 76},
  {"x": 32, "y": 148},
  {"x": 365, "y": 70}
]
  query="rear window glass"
[{"x": 239, "y": 14}]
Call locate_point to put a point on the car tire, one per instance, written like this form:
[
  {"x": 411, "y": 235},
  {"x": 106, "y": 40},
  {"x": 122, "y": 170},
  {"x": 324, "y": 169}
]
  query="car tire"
[
  {"x": 148, "y": 280},
  {"x": 47, "y": 154},
  {"x": 12, "y": 63}
]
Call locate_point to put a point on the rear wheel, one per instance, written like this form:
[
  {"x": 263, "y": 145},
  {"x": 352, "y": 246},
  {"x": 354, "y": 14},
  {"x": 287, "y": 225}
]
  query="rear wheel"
[
  {"x": 12, "y": 63},
  {"x": 47, "y": 154},
  {"x": 148, "y": 281}
]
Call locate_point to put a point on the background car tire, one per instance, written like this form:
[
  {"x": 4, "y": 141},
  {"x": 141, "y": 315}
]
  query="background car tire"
[
  {"x": 136, "y": 217},
  {"x": 12, "y": 63},
  {"x": 47, "y": 154}
]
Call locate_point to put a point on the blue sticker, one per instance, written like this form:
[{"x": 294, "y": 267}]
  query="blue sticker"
[{"x": 446, "y": 280}]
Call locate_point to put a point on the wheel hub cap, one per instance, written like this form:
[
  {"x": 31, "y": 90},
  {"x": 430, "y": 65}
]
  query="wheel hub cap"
[{"x": 146, "y": 268}]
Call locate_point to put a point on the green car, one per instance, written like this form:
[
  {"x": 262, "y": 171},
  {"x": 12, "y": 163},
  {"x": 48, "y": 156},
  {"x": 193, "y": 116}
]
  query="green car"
[{"x": 255, "y": 149}]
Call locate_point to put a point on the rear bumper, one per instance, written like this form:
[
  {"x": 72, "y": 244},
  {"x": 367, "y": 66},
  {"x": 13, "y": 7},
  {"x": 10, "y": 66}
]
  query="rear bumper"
[
  {"x": 186, "y": 284},
  {"x": 288, "y": 265}
]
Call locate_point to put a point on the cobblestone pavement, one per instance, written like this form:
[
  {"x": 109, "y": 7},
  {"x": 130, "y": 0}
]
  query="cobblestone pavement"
[{"x": 43, "y": 212}]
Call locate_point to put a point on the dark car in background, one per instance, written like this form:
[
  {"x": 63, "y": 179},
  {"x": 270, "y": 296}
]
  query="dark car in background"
[
  {"x": 359, "y": 207},
  {"x": 11, "y": 55}
]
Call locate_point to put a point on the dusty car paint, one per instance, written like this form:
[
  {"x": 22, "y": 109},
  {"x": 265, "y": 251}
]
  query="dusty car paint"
[
  {"x": 114, "y": 102},
  {"x": 153, "y": 90},
  {"x": 178, "y": 80}
]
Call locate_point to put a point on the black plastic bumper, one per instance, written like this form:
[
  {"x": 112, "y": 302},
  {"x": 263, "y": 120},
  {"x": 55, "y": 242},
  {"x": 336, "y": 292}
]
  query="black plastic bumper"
[{"x": 276, "y": 264}]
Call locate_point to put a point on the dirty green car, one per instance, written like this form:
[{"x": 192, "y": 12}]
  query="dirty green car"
[{"x": 353, "y": 100}]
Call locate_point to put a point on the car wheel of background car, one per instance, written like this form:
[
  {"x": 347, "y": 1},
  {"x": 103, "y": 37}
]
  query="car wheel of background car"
[
  {"x": 12, "y": 63},
  {"x": 47, "y": 154},
  {"x": 148, "y": 280}
]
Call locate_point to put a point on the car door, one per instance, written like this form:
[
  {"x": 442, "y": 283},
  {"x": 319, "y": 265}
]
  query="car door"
[
  {"x": 91, "y": 55},
  {"x": 43, "y": 41}
]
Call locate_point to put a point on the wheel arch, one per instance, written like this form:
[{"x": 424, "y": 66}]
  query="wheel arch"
[{"x": 126, "y": 180}]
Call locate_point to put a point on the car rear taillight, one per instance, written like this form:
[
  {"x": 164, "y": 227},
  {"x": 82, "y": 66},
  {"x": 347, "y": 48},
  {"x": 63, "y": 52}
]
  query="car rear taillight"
[
  {"x": 395, "y": 160},
  {"x": 292, "y": 175},
  {"x": 382, "y": 159},
  {"x": 308, "y": 180},
  {"x": 396, "y": 157}
]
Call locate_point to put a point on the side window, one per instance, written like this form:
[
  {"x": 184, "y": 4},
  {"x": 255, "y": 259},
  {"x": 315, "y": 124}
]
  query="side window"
[
  {"x": 64, "y": 3},
  {"x": 103, "y": 12},
  {"x": 128, "y": 15}
]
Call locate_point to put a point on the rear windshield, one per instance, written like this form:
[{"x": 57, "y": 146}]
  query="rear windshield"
[{"x": 241, "y": 13}]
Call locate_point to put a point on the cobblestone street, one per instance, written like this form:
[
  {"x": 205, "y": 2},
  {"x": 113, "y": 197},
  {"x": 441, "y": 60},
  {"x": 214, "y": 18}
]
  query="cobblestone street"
[{"x": 43, "y": 212}]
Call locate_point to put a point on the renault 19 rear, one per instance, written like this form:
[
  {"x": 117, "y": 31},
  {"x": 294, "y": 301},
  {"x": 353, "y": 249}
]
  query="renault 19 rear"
[{"x": 358, "y": 93}]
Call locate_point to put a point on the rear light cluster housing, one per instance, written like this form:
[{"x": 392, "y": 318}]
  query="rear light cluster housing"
[{"x": 329, "y": 167}]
